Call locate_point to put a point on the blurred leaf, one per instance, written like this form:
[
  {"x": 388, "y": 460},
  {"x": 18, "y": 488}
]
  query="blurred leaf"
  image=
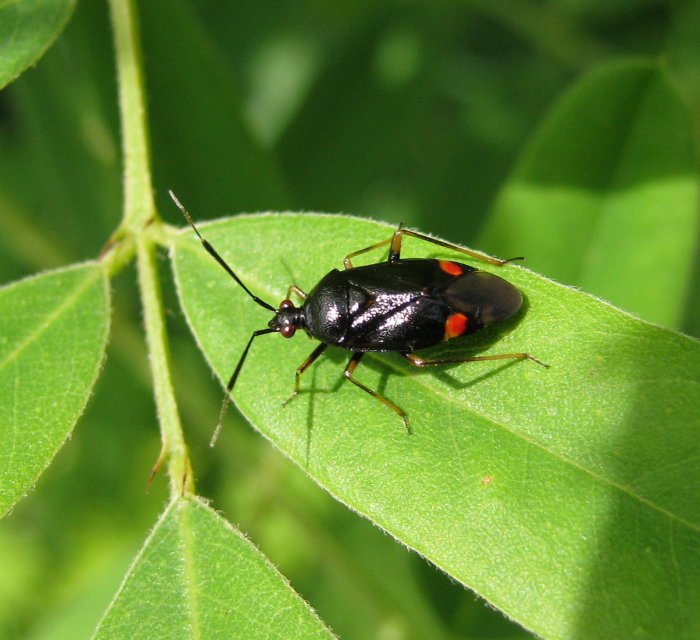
[
  {"x": 201, "y": 147},
  {"x": 565, "y": 497},
  {"x": 546, "y": 26},
  {"x": 53, "y": 331},
  {"x": 85, "y": 590},
  {"x": 198, "y": 577},
  {"x": 60, "y": 122},
  {"x": 318, "y": 172},
  {"x": 417, "y": 148},
  {"x": 606, "y": 194},
  {"x": 27, "y": 29}
]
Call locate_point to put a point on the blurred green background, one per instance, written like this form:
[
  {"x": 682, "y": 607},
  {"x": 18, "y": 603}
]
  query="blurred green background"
[{"x": 413, "y": 111}]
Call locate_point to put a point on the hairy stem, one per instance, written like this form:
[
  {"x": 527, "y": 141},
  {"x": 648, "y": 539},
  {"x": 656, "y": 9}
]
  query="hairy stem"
[{"x": 139, "y": 226}]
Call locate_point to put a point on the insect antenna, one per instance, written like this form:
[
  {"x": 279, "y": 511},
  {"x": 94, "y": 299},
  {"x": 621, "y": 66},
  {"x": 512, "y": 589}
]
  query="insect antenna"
[
  {"x": 213, "y": 252},
  {"x": 232, "y": 382}
]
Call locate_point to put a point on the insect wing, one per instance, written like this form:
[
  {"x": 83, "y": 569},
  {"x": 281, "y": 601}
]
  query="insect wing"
[{"x": 483, "y": 297}]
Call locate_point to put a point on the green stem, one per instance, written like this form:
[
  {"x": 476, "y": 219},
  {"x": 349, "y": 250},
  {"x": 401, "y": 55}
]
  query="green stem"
[
  {"x": 139, "y": 226},
  {"x": 139, "y": 208},
  {"x": 174, "y": 447}
]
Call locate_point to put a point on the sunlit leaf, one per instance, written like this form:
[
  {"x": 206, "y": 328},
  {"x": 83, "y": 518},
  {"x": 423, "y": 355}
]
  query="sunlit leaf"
[
  {"x": 27, "y": 29},
  {"x": 567, "y": 497},
  {"x": 198, "y": 577},
  {"x": 606, "y": 193}
]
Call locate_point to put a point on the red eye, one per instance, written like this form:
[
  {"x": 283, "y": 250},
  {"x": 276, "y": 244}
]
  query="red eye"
[
  {"x": 288, "y": 330},
  {"x": 286, "y": 304}
]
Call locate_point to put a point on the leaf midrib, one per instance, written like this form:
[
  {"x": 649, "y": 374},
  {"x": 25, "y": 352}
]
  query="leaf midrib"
[{"x": 49, "y": 320}]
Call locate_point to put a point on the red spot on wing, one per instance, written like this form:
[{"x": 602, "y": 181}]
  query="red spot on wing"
[
  {"x": 451, "y": 267},
  {"x": 455, "y": 325}
]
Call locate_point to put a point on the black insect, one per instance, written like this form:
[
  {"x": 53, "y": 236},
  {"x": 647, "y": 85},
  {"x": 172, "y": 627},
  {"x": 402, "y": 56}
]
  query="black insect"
[{"x": 399, "y": 305}]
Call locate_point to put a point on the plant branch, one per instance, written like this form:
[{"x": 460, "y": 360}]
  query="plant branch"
[
  {"x": 139, "y": 209},
  {"x": 174, "y": 447},
  {"x": 139, "y": 226}
]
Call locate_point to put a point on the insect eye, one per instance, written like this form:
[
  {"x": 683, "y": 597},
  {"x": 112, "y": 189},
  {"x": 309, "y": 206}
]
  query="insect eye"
[
  {"x": 288, "y": 330},
  {"x": 286, "y": 304}
]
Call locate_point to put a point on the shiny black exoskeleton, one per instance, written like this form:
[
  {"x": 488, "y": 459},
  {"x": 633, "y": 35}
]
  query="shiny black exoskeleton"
[
  {"x": 399, "y": 305},
  {"x": 402, "y": 306}
]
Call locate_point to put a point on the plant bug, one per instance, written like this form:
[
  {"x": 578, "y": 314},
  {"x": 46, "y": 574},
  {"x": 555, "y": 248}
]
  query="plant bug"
[{"x": 401, "y": 305}]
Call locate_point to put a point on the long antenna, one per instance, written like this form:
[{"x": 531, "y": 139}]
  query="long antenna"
[
  {"x": 232, "y": 381},
  {"x": 262, "y": 303},
  {"x": 217, "y": 257}
]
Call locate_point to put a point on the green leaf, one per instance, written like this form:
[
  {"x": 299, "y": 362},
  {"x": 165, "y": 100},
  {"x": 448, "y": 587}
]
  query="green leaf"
[
  {"x": 53, "y": 332},
  {"x": 566, "y": 497},
  {"x": 27, "y": 30},
  {"x": 198, "y": 577},
  {"x": 605, "y": 196}
]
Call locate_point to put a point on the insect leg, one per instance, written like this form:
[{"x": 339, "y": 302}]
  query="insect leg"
[
  {"x": 293, "y": 288},
  {"x": 395, "y": 248},
  {"x": 350, "y": 369},
  {"x": 303, "y": 367},
  {"x": 422, "y": 362},
  {"x": 348, "y": 263},
  {"x": 395, "y": 251},
  {"x": 232, "y": 382}
]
